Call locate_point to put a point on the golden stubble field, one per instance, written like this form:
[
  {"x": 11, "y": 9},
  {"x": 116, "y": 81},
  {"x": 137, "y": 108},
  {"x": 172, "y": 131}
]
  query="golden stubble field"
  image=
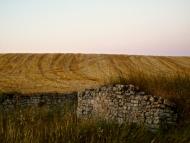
[{"x": 30, "y": 73}]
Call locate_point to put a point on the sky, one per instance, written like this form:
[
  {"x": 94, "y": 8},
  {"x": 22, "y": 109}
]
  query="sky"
[{"x": 138, "y": 27}]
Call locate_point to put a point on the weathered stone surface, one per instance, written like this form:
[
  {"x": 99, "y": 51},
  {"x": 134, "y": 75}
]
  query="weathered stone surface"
[
  {"x": 123, "y": 103},
  {"x": 55, "y": 99}
]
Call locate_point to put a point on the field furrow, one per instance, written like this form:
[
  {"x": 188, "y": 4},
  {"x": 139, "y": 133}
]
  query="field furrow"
[{"x": 29, "y": 73}]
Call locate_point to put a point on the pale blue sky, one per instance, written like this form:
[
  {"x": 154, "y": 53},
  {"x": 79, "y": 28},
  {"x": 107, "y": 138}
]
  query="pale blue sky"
[{"x": 154, "y": 27}]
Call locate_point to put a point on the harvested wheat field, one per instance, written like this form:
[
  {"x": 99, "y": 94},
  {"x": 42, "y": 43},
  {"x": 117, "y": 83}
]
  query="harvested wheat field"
[{"x": 32, "y": 73}]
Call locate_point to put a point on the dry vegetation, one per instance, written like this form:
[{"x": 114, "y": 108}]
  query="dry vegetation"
[
  {"x": 175, "y": 87},
  {"x": 34, "y": 125},
  {"x": 30, "y": 73}
]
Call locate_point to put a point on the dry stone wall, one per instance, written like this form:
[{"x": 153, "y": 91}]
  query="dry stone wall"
[
  {"x": 120, "y": 103},
  {"x": 126, "y": 103},
  {"x": 11, "y": 100}
]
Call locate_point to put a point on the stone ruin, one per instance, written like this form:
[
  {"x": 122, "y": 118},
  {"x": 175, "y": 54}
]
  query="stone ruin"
[
  {"x": 126, "y": 103},
  {"x": 120, "y": 103},
  {"x": 9, "y": 101}
]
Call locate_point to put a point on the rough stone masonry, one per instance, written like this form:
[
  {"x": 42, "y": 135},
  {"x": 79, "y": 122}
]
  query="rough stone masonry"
[
  {"x": 9, "y": 101},
  {"x": 126, "y": 103},
  {"x": 121, "y": 103}
]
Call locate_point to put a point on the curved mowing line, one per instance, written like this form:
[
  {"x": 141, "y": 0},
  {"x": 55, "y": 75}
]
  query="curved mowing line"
[
  {"x": 42, "y": 72},
  {"x": 174, "y": 64},
  {"x": 167, "y": 65},
  {"x": 59, "y": 72},
  {"x": 77, "y": 72},
  {"x": 72, "y": 67},
  {"x": 54, "y": 82}
]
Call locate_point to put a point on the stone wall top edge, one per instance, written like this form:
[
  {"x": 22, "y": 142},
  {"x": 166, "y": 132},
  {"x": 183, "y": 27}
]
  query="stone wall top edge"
[{"x": 36, "y": 94}]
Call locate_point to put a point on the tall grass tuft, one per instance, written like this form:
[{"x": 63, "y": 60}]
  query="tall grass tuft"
[{"x": 175, "y": 87}]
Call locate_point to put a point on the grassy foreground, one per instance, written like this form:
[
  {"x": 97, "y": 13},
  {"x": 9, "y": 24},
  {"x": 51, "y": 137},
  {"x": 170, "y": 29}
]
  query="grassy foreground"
[{"x": 34, "y": 125}]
